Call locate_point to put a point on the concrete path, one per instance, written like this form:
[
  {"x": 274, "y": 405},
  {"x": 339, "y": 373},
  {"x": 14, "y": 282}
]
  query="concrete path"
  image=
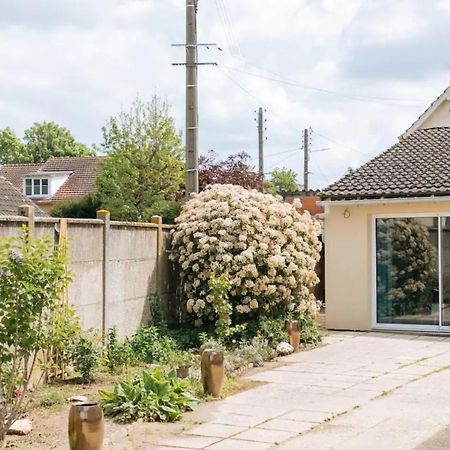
[{"x": 359, "y": 391}]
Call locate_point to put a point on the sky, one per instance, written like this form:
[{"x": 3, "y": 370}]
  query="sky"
[{"x": 357, "y": 72}]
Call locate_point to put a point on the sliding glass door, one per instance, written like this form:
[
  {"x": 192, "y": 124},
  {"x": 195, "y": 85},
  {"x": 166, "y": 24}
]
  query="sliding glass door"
[
  {"x": 445, "y": 270},
  {"x": 407, "y": 271}
]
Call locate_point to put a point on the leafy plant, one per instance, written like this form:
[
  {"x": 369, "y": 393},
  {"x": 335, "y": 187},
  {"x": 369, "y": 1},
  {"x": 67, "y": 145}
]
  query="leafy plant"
[
  {"x": 151, "y": 396},
  {"x": 86, "y": 356},
  {"x": 118, "y": 353},
  {"x": 180, "y": 359},
  {"x": 61, "y": 330},
  {"x": 149, "y": 346},
  {"x": 309, "y": 330},
  {"x": 32, "y": 277}
]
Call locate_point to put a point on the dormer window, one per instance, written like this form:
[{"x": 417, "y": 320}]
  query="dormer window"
[{"x": 36, "y": 187}]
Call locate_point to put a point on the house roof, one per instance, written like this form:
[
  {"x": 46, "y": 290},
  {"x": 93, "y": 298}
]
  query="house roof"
[
  {"x": 416, "y": 166},
  {"x": 11, "y": 199},
  {"x": 445, "y": 96},
  {"x": 82, "y": 172}
]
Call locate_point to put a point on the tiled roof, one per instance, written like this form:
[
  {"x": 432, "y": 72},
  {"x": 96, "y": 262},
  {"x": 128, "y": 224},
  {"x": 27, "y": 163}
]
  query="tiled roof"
[
  {"x": 81, "y": 181},
  {"x": 11, "y": 199},
  {"x": 15, "y": 173},
  {"x": 418, "y": 165}
]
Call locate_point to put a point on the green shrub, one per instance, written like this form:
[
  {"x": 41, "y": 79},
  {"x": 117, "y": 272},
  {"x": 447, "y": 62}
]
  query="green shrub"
[
  {"x": 118, "y": 354},
  {"x": 152, "y": 396},
  {"x": 82, "y": 208},
  {"x": 150, "y": 347},
  {"x": 85, "y": 357},
  {"x": 32, "y": 277}
]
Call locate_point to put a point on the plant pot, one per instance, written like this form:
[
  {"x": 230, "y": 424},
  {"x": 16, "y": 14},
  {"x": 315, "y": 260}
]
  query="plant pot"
[
  {"x": 183, "y": 372},
  {"x": 212, "y": 371},
  {"x": 294, "y": 333},
  {"x": 86, "y": 427}
]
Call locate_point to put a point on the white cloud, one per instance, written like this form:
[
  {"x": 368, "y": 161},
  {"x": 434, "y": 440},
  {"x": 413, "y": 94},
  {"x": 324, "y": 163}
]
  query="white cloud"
[{"x": 78, "y": 62}]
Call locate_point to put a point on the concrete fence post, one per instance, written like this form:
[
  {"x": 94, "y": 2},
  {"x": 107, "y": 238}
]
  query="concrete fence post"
[
  {"x": 157, "y": 220},
  {"x": 28, "y": 212},
  {"x": 105, "y": 215}
]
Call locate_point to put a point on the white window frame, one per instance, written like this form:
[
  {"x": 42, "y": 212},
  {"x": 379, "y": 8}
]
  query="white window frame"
[
  {"x": 33, "y": 193},
  {"x": 404, "y": 327}
]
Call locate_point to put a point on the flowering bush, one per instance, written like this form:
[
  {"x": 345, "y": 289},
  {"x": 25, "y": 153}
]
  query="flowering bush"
[{"x": 267, "y": 248}]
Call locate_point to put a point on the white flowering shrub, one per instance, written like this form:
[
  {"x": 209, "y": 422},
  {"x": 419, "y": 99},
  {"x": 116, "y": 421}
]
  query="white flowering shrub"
[{"x": 267, "y": 248}]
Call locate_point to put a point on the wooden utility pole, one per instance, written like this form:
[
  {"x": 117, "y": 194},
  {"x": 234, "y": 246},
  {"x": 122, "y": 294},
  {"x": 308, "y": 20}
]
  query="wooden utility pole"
[
  {"x": 191, "y": 45},
  {"x": 305, "y": 159},
  {"x": 191, "y": 99},
  {"x": 261, "y": 144}
]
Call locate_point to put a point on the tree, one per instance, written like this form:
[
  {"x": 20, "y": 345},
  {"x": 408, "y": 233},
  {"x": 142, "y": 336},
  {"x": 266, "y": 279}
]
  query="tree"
[
  {"x": 144, "y": 171},
  {"x": 12, "y": 151},
  {"x": 46, "y": 139},
  {"x": 282, "y": 182},
  {"x": 236, "y": 169},
  {"x": 32, "y": 276}
]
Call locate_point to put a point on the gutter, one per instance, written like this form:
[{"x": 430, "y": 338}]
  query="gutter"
[{"x": 383, "y": 201}]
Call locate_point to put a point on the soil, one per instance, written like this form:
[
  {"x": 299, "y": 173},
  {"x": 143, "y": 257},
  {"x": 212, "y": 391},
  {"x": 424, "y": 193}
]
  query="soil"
[{"x": 50, "y": 423}]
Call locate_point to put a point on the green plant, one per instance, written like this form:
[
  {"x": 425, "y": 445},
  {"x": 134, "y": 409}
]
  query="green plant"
[
  {"x": 271, "y": 330},
  {"x": 118, "y": 354},
  {"x": 151, "y": 396},
  {"x": 32, "y": 277},
  {"x": 309, "y": 330},
  {"x": 149, "y": 346},
  {"x": 51, "y": 398},
  {"x": 86, "y": 356},
  {"x": 61, "y": 330},
  {"x": 179, "y": 359}
]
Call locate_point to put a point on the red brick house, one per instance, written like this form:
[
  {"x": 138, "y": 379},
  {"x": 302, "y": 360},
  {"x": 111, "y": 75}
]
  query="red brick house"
[{"x": 58, "y": 179}]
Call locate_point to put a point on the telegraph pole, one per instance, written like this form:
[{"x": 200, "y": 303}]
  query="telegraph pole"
[
  {"x": 261, "y": 144},
  {"x": 191, "y": 99},
  {"x": 191, "y": 150},
  {"x": 305, "y": 159}
]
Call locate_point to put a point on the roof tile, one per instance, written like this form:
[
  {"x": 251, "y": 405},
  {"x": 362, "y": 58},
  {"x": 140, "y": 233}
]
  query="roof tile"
[{"x": 416, "y": 166}]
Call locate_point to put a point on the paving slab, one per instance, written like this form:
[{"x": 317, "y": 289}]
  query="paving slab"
[{"x": 358, "y": 391}]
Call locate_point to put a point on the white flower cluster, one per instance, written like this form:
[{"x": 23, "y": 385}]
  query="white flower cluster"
[{"x": 266, "y": 246}]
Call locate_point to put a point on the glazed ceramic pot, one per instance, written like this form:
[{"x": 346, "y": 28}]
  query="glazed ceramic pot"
[
  {"x": 86, "y": 426},
  {"x": 293, "y": 329},
  {"x": 213, "y": 371}
]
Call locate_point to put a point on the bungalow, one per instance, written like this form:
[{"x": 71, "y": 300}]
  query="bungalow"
[
  {"x": 59, "y": 179},
  {"x": 387, "y": 234}
]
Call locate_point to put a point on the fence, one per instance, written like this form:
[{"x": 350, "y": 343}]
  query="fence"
[{"x": 116, "y": 266}]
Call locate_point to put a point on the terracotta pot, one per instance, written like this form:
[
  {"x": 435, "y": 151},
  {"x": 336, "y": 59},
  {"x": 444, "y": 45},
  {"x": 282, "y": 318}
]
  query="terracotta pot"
[
  {"x": 86, "y": 426},
  {"x": 183, "y": 372},
  {"x": 213, "y": 371},
  {"x": 294, "y": 333}
]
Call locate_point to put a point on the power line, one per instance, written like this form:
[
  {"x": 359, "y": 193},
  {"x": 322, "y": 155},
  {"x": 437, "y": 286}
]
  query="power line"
[
  {"x": 281, "y": 79},
  {"x": 361, "y": 98}
]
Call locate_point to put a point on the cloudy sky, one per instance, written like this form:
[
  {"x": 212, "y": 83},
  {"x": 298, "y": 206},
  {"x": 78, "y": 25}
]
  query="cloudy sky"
[{"x": 358, "y": 72}]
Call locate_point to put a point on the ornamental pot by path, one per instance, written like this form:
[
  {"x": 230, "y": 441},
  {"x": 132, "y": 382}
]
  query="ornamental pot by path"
[
  {"x": 293, "y": 329},
  {"x": 213, "y": 371},
  {"x": 86, "y": 426}
]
